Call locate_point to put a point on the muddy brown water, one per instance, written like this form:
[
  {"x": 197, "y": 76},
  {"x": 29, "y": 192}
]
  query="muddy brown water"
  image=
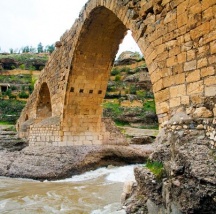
[{"x": 94, "y": 192}]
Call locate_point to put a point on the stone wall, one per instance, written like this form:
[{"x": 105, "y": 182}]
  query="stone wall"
[{"x": 177, "y": 38}]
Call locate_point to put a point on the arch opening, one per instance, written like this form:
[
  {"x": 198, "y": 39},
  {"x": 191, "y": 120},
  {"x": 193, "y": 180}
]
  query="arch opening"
[
  {"x": 93, "y": 58},
  {"x": 44, "y": 108}
]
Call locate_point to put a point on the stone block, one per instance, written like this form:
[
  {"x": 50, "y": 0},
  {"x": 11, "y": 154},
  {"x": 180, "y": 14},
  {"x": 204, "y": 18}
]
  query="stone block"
[
  {"x": 162, "y": 108},
  {"x": 181, "y": 8},
  {"x": 185, "y": 100},
  {"x": 195, "y": 88},
  {"x": 189, "y": 66},
  {"x": 193, "y": 76},
  {"x": 210, "y": 81},
  {"x": 170, "y": 16},
  {"x": 207, "y": 14},
  {"x": 207, "y": 71},
  {"x": 207, "y": 3},
  {"x": 181, "y": 57},
  {"x": 213, "y": 47},
  {"x": 179, "y": 78},
  {"x": 202, "y": 112},
  {"x": 172, "y": 61},
  {"x": 210, "y": 91},
  {"x": 175, "y": 102},
  {"x": 200, "y": 30},
  {"x": 162, "y": 95},
  {"x": 177, "y": 91},
  {"x": 191, "y": 54},
  {"x": 202, "y": 63},
  {"x": 196, "y": 99},
  {"x": 182, "y": 20}
]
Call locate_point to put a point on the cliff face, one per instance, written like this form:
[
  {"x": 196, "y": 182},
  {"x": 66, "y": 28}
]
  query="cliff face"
[{"x": 189, "y": 181}]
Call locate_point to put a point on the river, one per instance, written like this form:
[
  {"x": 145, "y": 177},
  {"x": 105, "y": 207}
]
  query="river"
[{"x": 94, "y": 192}]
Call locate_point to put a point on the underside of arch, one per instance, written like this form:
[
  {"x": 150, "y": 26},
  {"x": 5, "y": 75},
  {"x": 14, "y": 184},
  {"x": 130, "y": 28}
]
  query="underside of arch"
[{"x": 98, "y": 44}]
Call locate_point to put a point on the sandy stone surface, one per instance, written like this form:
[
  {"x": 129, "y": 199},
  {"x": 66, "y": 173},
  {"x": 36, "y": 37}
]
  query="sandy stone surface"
[{"x": 60, "y": 162}]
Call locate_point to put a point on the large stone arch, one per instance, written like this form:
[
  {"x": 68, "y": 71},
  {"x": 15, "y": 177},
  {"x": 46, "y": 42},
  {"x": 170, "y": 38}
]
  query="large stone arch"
[{"x": 177, "y": 39}]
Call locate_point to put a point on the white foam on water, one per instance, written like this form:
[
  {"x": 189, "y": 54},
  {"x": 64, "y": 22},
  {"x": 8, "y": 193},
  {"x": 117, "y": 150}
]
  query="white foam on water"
[
  {"x": 122, "y": 174},
  {"x": 114, "y": 174},
  {"x": 90, "y": 175}
]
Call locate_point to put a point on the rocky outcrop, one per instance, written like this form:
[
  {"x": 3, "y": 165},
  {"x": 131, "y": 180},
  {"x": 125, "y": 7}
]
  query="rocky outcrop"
[
  {"x": 189, "y": 184},
  {"x": 8, "y": 63},
  {"x": 52, "y": 162}
]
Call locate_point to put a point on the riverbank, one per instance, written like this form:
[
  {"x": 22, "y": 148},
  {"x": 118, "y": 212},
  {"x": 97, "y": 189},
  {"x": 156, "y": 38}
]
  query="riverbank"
[{"x": 53, "y": 163}]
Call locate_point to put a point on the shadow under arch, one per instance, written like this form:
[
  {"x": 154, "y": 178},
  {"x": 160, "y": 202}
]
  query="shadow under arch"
[
  {"x": 44, "y": 107},
  {"x": 98, "y": 43}
]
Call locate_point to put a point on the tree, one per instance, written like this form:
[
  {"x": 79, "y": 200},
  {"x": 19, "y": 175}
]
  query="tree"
[
  {"x": 50, "y": 48},
  {"x": 25, "y": 49},
  {"x": 40, "y": 48},
  {"x": 32, "y": 50},
  {"x": 11, "y": 50}
]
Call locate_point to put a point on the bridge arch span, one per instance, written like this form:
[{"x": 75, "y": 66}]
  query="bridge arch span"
[{"x": 178, "y": 46}]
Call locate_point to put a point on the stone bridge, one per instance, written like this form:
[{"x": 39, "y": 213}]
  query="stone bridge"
[{"x": 178, "y": 41}]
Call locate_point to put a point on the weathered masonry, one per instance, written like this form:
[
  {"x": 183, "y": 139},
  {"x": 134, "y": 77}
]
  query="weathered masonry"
[{"x": 178, "y": 41}]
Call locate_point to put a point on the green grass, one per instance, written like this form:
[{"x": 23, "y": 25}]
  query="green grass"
[
  {"x": 5, "y": 123},
  {"x": 17, "y": 79},
  {"x": 113, "y": 108},
  {"x": 22, "y": 58},
  {"x": 156, "y": 168},
  {"x": 149, "y": 105},
  {"x": 10, "y": 110}
]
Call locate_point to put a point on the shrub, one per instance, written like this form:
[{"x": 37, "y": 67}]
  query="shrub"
[
  {"x": 22, "y": 67},
  {"x": 156, "y": 168},
  {"x": 13, "y": 67},
  {"x": 132, "y": 89},
  {"x": 10, "y": 110},
  {"x": 115, "y": 71},
  {"x": 13, "y": 88},
  {"x": 113, "y": 109},
  {"x": 149, "y": 106},
  {"x": 125, "y": 69},
  {"x": 23, "y": 95},
  {"x": 117, "y": 78}
]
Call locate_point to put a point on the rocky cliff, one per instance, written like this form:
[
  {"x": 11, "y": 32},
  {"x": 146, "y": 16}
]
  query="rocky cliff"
[{"x": 188, "y": 182}]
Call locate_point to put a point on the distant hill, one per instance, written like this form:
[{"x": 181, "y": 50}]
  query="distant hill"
[{"x": 129, "y": 99}]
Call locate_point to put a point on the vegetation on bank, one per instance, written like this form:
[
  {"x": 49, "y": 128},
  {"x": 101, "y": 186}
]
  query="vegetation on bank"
[
  {"x": 123, "y": 86},
  {"x": 10, "y": 110},
  {"x": 156, "y": 168}
]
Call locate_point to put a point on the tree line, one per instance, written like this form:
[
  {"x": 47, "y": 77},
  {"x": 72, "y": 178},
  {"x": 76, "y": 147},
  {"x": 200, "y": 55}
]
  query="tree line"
[{"x": 29, "y": 49}]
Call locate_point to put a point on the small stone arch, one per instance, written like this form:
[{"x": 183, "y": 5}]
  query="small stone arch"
[
  {"x": 26, "y": 117},
  {"x": 44, "y": 107}
]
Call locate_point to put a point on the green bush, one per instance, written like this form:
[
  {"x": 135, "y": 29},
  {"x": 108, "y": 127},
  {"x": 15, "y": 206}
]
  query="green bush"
[
  {"x": 132, "y": 89},
  {"x": 114, "y": 109},
  {"x": 117, "y": 78},
  {"x": 13, "y": 88},
  {"x": 149, "y": 105},
  {"x": 156, "y": 168},
  {"x": 22, "y": 67},
  {"x": 125, "y": 69},
  {"x": 141, "y": 94},
  {"x": 13, "y": 67},
  {"x": 10, "y": 110},
  {"x": 23, "y": 95},
  {"x": 115, "y": 71}
]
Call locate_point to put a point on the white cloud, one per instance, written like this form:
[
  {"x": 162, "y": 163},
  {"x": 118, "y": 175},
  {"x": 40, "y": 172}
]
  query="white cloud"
[{"x": 28, "y": 22}]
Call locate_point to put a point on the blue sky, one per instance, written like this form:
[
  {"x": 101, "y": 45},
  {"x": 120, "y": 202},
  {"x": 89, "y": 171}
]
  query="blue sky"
[{"x": 28, "y": 22}]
